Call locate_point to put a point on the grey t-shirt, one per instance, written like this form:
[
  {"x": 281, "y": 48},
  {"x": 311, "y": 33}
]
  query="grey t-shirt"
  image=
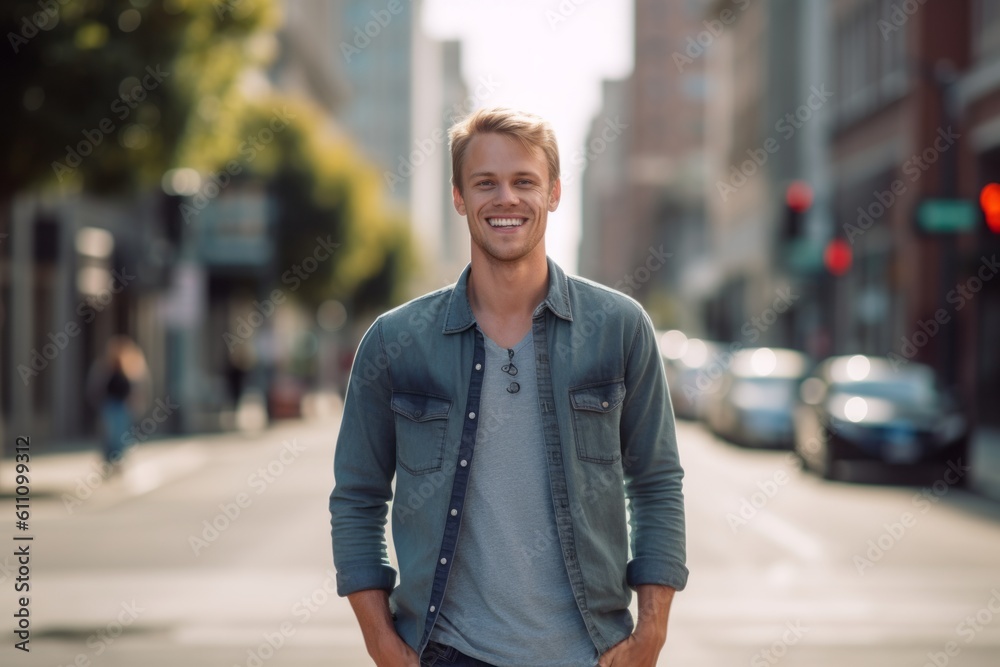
[{"x": 508, "y": 600}]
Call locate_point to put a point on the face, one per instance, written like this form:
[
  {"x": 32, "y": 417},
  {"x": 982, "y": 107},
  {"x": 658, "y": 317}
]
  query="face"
[{"x": 506, "y": 197}]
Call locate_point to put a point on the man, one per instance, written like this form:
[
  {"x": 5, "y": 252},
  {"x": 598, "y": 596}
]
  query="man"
[{"x": 517, "y": 410}]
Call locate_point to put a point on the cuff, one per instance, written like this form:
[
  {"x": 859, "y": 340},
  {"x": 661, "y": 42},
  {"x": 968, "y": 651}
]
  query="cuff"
[
  {"x": 364, "y": 577},
  {"x": 641, "y": 571}
]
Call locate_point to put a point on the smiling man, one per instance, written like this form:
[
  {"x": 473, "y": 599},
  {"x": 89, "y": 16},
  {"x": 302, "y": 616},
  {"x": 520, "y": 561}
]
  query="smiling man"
[{"x": 524, "y": 417}]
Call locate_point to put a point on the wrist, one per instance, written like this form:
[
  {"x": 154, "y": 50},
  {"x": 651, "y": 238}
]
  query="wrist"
[{"x": 652, "y": 629}]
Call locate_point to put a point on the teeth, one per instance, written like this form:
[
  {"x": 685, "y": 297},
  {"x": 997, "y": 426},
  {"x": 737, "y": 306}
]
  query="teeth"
[{"x": 505, "y": 222}]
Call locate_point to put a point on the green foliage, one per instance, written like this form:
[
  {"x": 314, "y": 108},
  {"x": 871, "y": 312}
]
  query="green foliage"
[
  {"x": 111, "y": 94},
  {"x": 103, "y": 95},
  {"x": 321, "y": 187}
]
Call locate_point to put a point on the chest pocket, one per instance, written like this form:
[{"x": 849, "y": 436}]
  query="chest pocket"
[
  {"x": 421, "y": 424},
  {"x": 597, "y": 413}
]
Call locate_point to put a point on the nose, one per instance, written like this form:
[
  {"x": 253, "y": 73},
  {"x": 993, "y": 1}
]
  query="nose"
[{"x": 505, "y": 195}]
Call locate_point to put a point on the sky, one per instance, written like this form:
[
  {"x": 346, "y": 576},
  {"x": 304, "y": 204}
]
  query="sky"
[{"x": 548, "y": 57}]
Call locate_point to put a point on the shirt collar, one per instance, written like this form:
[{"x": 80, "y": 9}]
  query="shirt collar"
[{"x": 460, "y": 317}]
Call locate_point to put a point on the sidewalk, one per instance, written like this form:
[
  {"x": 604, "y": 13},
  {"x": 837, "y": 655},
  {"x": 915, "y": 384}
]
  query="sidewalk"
[
  {"x": 72, "y": 471},
  {"x": 73, "y": 475}
]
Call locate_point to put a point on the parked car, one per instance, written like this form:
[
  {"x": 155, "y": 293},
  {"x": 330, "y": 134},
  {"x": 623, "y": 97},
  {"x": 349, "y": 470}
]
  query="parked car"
[
  {"x": 861, "y": 408},
  {"x": 686, "y": 362},
  {"x": 756, "y": 397}
]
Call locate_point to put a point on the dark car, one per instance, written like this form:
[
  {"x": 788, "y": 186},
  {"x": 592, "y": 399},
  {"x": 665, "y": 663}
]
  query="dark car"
[
  {"x": 756, "y": 397},
  {"x": 861, "y": 408}
]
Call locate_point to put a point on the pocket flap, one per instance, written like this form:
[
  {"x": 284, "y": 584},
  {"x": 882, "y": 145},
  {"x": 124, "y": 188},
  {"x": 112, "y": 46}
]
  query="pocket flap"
[
  {"x": 420, "y": 407},
  {"x": 600, "y": 398}
]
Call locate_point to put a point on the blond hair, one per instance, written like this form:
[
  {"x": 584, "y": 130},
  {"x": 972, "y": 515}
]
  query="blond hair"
[{"x": 531, "y": 130}]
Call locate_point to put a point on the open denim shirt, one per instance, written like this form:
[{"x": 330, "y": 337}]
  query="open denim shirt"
[{"x": 412, "y": 413}]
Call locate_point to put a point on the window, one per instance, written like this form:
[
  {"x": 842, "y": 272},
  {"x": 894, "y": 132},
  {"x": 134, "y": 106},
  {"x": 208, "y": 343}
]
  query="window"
[
  {"x": 893, "y": 58},
  {"x": 986, "y": 28},
  {"x": 872, "y": 63}
]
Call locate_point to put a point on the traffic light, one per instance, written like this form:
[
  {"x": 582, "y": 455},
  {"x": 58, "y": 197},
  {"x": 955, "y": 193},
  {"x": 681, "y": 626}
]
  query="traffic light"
[
  {"x": 798, "y": 199},
  {"x": 989, "y": 199},
  {"x": 837, "y": 256}
]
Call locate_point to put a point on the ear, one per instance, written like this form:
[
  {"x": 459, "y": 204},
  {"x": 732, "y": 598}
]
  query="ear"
[
  {"x": 555, "y": 194},
  {"x": 458, "y": 200}
]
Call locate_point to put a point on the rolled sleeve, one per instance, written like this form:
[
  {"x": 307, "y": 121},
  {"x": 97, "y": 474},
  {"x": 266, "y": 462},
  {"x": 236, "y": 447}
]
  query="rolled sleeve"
[
  {"x": 653, "y": 473},
  {"x": 364, "y": 466}
]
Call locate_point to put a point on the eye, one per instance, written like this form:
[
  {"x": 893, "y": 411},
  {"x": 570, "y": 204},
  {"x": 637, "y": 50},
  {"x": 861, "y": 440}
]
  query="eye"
[
  {"x": 525, "y": 181},
  {"x": 484, "y": 183}
]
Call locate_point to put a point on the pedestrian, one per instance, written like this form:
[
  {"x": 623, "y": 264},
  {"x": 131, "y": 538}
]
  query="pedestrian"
[
  {"x": 522, "y": 415},
  {"x": 118, "y": 383}
]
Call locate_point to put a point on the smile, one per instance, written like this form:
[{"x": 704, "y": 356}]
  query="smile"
[{"x": 505, "y": 222}]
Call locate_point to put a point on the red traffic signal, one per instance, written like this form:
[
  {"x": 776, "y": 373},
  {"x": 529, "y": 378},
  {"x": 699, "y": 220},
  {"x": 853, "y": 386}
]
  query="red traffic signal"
[
  {"x": 837, "y": 257},
  {"x": 989, "y": 199},
  {"x": 799, "y": 196}
]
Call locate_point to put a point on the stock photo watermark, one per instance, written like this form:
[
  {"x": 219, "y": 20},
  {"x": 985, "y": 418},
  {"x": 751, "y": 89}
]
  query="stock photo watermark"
[
  {"x": 121, "y": 108},
  {"x": 930, "y": 327},
  {"x": 767, "y": 489},
  {"x": 365, "y": 34},
  {"x": 293, "y": 277},
  {"x": 786, "y": 127},
  {"x": 752, "y": 330},
  {"x": 609, "y": 134},
  {"x": 697, "y": 45},
  {"x": 43, "y": 20},
  {"x": 594, "y": 320},
  {"x": 231, "y": 511},
  {"x": 779, "y": 648},
  {"x": 424, "y": 148},
  {"x": 922, "y": 502},
  {"x": 899, "y": 14},
  {"x": 914, "y": 167},
  {"x": 967, "y": 629},
  {"x": 249, "y": 148},
  {"x": 88, "y": 309},
  {"x": 302, "y": 610},
  {"x": 563, "y": 11}
]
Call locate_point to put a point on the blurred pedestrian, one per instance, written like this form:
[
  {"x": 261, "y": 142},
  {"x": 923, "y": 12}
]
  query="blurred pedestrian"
[
  {"x": 522, "y": 414},
  {"x": 118, "y": 384}
]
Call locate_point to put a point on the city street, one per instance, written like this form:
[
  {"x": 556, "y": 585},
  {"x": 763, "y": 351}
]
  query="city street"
[{"x": 215, "y": 552}]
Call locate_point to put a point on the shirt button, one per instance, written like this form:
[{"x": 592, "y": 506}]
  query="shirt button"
[
  {"x": 454, "y": 512},
  {"x": 604, "y": 404},
  {"x": 433, "y": 608},
  {"x": 463, "y": 463},
  {"x": 444, "y": 561},
  {"x": 472, "y": 415},
  {"x": 479, "y": 367}
]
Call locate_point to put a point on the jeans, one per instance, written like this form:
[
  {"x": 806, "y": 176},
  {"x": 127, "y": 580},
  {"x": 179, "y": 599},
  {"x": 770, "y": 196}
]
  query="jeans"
[
  {"x": 117, "y": 422},
  {"x": 439, "y": 655}
]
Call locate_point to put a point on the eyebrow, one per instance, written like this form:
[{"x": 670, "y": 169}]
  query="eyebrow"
[{"x": 490, "y": 174}]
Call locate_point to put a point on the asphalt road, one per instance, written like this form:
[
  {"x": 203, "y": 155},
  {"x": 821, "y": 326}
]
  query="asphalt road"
[{"x": 215, "y": 552}]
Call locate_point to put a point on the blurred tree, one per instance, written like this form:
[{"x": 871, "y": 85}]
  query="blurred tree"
[
  {"x": 102, "y": 94},
  {"x": 322, "y": 189},
  {"x": 106, "y": 96}
]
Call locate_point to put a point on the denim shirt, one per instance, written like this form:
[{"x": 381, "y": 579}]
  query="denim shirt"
[{"x": 412, "y": 414}]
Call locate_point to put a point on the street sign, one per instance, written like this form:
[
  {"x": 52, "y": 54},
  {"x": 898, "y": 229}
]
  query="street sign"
[
  {"x": 804, "y": 255},
  {"x": 947, "y": 216}
]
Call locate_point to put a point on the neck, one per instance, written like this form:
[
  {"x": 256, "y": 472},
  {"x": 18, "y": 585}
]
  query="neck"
[{"x": 507, "y": 290}]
